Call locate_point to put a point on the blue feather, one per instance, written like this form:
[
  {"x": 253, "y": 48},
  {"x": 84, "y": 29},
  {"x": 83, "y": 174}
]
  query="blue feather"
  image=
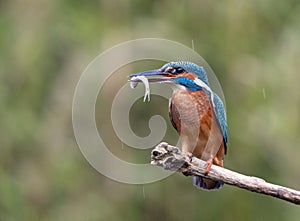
[
  {"x": 189, "y": 67},
  {"x": 221, "y": 116},
  {"x": 188, "y": 83},
  {"x": 199, "y": 183}
]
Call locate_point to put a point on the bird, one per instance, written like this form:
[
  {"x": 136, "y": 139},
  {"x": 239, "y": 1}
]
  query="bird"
[{"x": 197, "y": 114}]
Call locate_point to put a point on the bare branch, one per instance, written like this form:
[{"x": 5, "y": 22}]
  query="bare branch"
[{"x": 171, "y": 158}]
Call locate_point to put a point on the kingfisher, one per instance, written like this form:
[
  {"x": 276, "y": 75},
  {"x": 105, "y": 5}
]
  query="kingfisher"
[{"x": 196, "y": 112}]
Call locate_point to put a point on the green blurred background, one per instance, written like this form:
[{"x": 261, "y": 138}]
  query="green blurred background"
[{"x": 254, "y": 49}]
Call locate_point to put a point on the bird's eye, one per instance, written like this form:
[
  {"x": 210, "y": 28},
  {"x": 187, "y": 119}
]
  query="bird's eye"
[{"x": 179, "y": 70}]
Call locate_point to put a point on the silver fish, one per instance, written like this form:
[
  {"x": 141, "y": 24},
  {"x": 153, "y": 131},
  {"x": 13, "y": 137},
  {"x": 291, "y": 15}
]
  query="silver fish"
[{"x": 134, "y": 82}]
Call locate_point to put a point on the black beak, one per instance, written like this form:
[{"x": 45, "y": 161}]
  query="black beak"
[{"x": 160, "y": 76}]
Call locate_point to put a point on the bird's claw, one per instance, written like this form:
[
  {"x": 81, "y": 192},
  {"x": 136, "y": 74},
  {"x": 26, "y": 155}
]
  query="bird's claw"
[{"x": 208, "y": 166}]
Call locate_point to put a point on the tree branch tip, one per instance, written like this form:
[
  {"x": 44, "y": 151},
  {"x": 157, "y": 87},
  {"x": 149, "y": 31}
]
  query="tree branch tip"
[{"x": 172, "y": 158}]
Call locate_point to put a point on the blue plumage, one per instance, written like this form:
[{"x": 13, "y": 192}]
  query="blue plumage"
[
  {"x": 221, "y": 116},
  {"x": 189, "y": 67},
  {"x": 200, "y": 183},
  {"x": 188, "y": 83}
]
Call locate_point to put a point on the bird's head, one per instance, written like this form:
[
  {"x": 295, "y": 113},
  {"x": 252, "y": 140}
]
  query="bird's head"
[{"x": 183, "y": 73}]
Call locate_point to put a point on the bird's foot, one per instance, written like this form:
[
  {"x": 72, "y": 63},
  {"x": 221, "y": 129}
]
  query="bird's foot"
[{"x": 208, "y": 165}]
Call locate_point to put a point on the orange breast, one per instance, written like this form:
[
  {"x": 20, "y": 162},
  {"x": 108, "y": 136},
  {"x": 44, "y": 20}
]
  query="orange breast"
[{"x": 192, "y": 116}]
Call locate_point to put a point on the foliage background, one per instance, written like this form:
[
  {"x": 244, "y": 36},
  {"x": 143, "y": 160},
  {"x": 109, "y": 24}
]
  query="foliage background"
[{"x": 253, "y": 47}]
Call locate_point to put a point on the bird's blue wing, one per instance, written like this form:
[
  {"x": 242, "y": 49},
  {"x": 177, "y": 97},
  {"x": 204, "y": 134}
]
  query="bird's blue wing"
[{"x": 221, "y": 116}]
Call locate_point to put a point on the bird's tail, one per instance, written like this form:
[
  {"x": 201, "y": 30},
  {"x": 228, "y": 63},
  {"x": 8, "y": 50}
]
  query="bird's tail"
[{"x": 206, "y": 184}]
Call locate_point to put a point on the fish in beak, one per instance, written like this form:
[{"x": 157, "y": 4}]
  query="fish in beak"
[
  {"x": 149, "y": 76},
  {"x": 153, "y": 76}
]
